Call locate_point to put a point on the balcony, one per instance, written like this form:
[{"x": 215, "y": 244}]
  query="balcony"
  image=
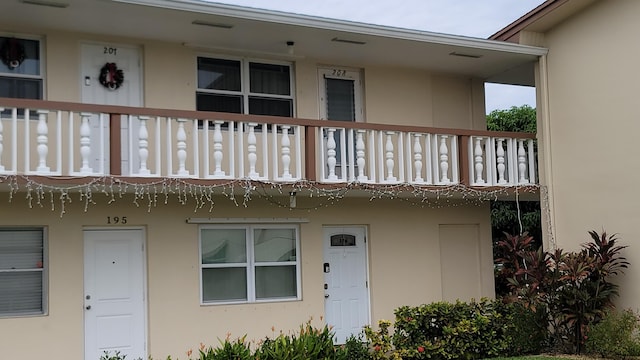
[{"x": 56, "y": 139}]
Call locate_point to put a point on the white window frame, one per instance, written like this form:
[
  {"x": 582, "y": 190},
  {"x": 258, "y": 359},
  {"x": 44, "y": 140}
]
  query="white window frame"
[
  {"x": 251, "y": 264},
  {"x": 42, "y": 54},
  {"x": 341, "y": 73},
  {"x": 245, "y": 81},
  {"x": 44, "y": 270}
]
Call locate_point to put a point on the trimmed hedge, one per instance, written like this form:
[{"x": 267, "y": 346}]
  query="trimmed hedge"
[{"x": 474, "y": 330}]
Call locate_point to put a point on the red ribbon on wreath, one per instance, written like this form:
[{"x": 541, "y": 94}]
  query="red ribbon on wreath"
[
  {"x": 12, "y": 53},
  {"x": 110, "y": 76}
]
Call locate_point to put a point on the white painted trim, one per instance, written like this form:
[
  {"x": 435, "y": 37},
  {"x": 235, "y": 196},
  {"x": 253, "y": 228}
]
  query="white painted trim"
[
  {"x": 247, "y": 220},
  {"x": 198, "y": 6}
]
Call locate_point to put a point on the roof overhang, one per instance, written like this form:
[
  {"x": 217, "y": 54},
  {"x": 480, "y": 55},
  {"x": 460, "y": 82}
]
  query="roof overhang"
[{"x": 261, "y": 33}]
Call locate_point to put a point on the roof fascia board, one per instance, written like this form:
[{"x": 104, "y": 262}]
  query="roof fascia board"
[{"x": 338, "y": 25}]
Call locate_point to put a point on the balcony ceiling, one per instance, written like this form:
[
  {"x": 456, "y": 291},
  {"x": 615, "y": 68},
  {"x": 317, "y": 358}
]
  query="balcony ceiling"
[{"x": 261, "y": 33}]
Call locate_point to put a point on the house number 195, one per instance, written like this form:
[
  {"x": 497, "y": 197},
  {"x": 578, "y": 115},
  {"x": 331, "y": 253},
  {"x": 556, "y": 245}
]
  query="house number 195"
[{"x": 116, "y": 220}]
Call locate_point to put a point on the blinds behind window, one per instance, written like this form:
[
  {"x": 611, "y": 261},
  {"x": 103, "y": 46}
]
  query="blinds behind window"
[
  {"x": 341, "y": 103},
  {"x": 21, "y": 271}
]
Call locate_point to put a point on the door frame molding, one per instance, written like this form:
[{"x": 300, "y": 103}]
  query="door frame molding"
[
  {"x": 145, "y": 302},
  {"x": 341, "y": 73},
  {"x": 365, "y": 230}
]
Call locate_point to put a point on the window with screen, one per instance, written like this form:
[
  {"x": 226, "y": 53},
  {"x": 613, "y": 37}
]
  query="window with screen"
[
  {"x": 22, "y": 271},
  {"x": 244, "y": 87}
]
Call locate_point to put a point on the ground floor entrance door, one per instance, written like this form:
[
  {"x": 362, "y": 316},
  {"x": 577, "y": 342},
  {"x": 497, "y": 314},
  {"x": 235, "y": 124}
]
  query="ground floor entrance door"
[
  {"x": 114, "y": 293},
  {"x": 346, "y": 288}
]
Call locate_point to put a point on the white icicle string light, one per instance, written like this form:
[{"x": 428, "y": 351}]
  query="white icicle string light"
[{"x": 205, "y": 194}]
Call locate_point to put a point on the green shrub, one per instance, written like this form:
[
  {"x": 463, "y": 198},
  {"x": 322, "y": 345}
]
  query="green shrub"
[
  {"x": 615, "y": 336},
  {"x": 308, "y": 343},
  {"x": 236, "y": 350},
  {"x": 452, "y": 330},
  {"x": 355, "y": 348}
]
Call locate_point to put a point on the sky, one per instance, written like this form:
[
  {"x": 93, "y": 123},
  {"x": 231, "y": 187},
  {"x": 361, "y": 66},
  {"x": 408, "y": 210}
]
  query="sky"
[{"x": 475, "y": 18}]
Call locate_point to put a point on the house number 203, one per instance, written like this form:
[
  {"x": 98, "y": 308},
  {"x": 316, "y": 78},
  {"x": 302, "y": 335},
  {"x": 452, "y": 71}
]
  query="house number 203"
[
  {"x": 110, "y": 50},
  {"x": 112, "y": 220}
]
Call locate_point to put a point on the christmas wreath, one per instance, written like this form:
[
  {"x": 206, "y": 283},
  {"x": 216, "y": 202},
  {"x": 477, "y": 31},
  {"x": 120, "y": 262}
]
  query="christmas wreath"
[
  {"x": 12, "y": 53},
  {"x": 110, "y": 76}
]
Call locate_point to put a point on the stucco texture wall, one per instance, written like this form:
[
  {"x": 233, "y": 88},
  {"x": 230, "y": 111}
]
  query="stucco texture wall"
[
  {"x": 406, "y": 264},
  {"x": 593, "y": 128}
]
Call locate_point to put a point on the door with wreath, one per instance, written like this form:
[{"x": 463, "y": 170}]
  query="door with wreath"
[{"x": 111, "y": 74}]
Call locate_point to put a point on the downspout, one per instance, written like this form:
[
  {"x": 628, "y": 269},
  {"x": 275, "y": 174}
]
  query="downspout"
[{"x": 544, "y": 138}]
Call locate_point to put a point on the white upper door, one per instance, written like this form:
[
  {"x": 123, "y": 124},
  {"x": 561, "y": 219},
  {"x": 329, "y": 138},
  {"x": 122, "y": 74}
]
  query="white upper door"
[
  {"x": 345, "y": 281},
  {"x": 96, "y": 60},
  {"x": 114, "y": 290}
]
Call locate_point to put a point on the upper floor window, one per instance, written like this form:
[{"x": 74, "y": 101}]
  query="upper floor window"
[
  {"x": 20, "y": 68},
  {"x": 22, "y": 271},
  {"x": 244, "y": 87}
]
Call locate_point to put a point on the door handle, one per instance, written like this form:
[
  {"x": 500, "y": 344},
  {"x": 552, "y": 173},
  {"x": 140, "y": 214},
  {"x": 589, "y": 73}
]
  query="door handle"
[
  {"x": 88, "y": 307},
  {"x": 326, "y": 296}
]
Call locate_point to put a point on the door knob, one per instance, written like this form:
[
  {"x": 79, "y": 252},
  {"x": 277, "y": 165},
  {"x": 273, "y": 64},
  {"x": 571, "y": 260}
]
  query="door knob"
[
  {"x": 88, "y": 307},
  {"x": 326, "y": 296}
]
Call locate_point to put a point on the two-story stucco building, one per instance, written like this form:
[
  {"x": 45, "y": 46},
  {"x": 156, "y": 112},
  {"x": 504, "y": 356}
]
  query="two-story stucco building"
[{"x": 173, "y": 170}]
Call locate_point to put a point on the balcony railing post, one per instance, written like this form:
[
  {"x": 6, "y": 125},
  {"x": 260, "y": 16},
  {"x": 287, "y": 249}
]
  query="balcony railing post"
[
  {"x": 1, "y": 139},
  {"x": 43, "y": 141},
  {"x": 500, "y": 161},
  {"x": 286, "y": 152},
  {"x": 181, "y": 138},
  {"x": 217, "y": 148},
  {"x": 115, "y": 141},
  {"x": 85, "y": 144},
  {"x": 360, "y": 151},
  {"x": 465, "y": 165},
  {"x": 310, "y": 153}
]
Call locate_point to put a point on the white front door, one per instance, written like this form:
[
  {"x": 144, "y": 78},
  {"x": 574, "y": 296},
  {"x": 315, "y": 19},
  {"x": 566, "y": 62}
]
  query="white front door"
[
  {"x": 345, "y": 281},
  {"x": 95, "y": 58},
  {"x": 114, "y": 290}
]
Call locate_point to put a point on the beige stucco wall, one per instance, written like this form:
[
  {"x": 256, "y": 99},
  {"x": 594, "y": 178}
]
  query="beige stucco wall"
[
  {"x": 391, "y": 96},
  {"x": 404, "y": 268},
  {"x": 592, "y": 129}
]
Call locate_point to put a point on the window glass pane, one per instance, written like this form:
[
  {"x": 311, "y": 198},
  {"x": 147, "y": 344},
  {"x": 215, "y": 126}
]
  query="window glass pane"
[
  {"x": 20, "y": 292},
  {"x": 274, "y": 245},
  {"x": 224, "y": 284},
  {"x": 269, "y": 79},
  {"x": 21, "y": 249},
  {"x": 276, "y": 282},
  {"x": 30, "y": 65},
  {"x": 217, "y": 102},
  {"x": 20, "y": 88},
  {"x": 340, "y": 100},
  {"x": 223, "y": 246},
  {"x": 219, "y": 74},
  {"x": 270, "y": 106}
]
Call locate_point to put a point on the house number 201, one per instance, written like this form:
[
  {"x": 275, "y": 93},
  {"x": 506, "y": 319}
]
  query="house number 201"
[
  {"x": 112, "y": 220},
  {"x": 111, "y": 50}
]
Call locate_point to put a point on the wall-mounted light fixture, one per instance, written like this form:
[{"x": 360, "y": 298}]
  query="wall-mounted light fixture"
[{"x": 292, "y": 200}]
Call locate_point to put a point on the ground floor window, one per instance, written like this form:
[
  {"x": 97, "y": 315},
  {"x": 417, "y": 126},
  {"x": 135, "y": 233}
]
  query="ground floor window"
[
  {"x": 22, "y": 271},
  {"x": 249, "y": 263}
]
